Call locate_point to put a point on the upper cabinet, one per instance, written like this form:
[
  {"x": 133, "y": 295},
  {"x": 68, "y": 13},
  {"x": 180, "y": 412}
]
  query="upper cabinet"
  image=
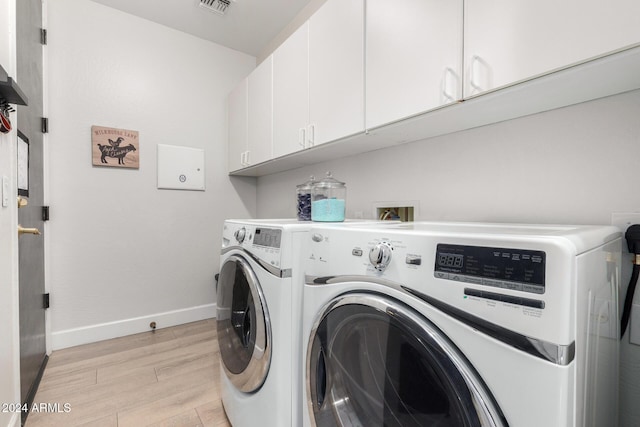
[
  {"x": 238, "y": 126},
  {"x": 336, "y": 71},
  {"x": 413, "y": 57},
  {"x": 508, "y": 41},
  {"x": 310, "y": 91},
  {"x": 250, "y": 119},
  {"x": 291, "y": 93},
  {"x": 259, "y": 113},
  {"x": 431, "y": 67}
]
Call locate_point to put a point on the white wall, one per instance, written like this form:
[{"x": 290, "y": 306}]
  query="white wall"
[
  {"x": 573, "y": 165},
  {"x": 9, "y": 341},
  {"x": 123, "y": 253}
]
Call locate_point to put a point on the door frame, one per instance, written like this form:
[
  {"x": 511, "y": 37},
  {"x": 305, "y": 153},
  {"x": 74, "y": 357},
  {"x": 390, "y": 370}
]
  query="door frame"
[
  {"x": 9, "y": 302},
  {"x": 45, "y": 177},
  {"x": 31, "y": 128}
]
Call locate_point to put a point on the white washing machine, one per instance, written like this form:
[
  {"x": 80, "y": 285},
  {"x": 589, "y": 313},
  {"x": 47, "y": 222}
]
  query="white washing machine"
[
  {"x": 461, "y": 324},
  {"x": 259, "y": 299}
]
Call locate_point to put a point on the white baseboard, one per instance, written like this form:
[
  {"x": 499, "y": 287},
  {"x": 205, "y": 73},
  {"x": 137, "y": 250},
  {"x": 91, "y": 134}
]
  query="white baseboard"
[{"x": 120, "y": 328}]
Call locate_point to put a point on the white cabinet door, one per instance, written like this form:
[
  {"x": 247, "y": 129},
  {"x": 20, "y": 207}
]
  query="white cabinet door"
[
  {"x": 291, "y": 93},
  {"x": 507, "y": 41},
  {"x": 237, "y": 144},
  {"x": 413, "y": 57},
  {"x": 336, "y": 71},
  {"x": 260, "y": 113}
]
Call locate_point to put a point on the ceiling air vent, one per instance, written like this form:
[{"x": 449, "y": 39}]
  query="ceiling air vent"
[{"x": 217, "y": 6}]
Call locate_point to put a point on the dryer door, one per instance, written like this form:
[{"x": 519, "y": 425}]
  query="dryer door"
[
  {"x": 244, "y": 329},
  {"x": 373, "y": 361}
]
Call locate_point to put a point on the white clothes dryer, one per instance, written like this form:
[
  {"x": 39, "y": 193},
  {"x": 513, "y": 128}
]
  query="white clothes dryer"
[
  {"x": 259, "y": 298},
  {"x": 461, "y": 324},
  {"x": 259, "y": 302}
]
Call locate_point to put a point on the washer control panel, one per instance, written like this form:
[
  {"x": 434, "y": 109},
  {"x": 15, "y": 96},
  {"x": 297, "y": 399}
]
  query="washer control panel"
[
  {"x": 514, "y": 269},
  {"x": 524, "y": 278}
]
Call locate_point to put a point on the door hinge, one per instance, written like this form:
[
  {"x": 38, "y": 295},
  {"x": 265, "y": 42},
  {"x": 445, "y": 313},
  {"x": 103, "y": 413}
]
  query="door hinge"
[
  {"x": 45, "y": 125},
  {"x": 45, "y": 301},
  {"x": 43, "y": 36},
  {"x": 45, "y": 213}
]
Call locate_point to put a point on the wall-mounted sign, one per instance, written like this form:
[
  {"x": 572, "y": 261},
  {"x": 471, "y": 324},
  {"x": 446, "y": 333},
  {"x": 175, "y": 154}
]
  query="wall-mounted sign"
[
  {"x": 23, "y": 165},
  {"x": 115, "y": 147}
]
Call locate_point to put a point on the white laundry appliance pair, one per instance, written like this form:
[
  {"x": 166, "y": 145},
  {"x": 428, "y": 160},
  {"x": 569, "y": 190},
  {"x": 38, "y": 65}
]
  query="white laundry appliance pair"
[
  {"x": 259, "y": 302},
  {"x": 460, "y": 324}
]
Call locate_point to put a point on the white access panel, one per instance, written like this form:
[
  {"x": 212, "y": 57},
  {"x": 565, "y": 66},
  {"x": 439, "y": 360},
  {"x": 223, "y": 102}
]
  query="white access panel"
[{"x": 180, "y": 168}]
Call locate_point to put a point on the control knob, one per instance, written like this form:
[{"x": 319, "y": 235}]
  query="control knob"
[
  {"x": 240, "y": 234},
  {"x": 380, "y": 256}
]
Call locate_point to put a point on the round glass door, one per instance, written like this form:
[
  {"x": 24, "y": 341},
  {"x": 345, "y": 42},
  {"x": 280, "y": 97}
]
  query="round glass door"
[
  {"x": 374, "y": 362},
  {"x": 244, "y": 331}
]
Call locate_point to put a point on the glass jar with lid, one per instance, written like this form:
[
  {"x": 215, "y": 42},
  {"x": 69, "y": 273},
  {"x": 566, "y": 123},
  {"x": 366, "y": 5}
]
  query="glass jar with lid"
[
  {"x": 328, "y": 200},
  {"x": 303, "y": 197}
]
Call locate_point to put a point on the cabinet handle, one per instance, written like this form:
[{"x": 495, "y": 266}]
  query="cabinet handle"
[
  {"x": 302, "y": 137},
  {"x": 244, "y": 158},
  {"x": 473, "y": 73},
  {"x": 448, "y": 85},
  {"x": 247, "y": 158},
  {"x": 312, "y": 135}
]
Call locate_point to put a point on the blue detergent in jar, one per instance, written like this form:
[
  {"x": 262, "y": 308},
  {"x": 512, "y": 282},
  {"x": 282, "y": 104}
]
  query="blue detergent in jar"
[
  {"x": 328, "y": 200},
  {"x": 328, "y": 210}
]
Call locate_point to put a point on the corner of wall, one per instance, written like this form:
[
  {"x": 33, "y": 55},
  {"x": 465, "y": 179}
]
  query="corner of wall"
[{"x": 300, "y": 18}]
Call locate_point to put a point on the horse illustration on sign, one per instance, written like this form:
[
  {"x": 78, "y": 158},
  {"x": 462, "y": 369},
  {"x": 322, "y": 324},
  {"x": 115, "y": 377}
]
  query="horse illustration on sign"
[{"x": 106, "y": 144}]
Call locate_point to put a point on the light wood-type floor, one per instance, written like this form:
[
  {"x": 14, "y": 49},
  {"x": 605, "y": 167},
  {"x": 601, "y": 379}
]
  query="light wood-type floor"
[{"x": 169, "y": 377}]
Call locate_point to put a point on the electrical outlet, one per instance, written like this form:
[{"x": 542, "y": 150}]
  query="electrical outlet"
[
  {"x": 623, "y": 220},
  {"x": 5, "y": 191}
]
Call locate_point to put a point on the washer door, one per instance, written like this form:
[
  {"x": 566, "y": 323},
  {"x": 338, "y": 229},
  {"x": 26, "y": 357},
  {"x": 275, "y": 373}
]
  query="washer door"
[
  {"x": 244, "y": 329},
  {"x": 373, "y": 362}
]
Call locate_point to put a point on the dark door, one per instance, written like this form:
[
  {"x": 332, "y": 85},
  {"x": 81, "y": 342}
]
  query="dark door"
[
  {"x": 31, "y": 247},
  {"x": 374, "y": 362}
]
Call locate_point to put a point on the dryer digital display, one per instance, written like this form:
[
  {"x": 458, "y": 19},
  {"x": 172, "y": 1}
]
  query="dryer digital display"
[
  {"x": 269, "y": 237},
  {"x": 516, "y": 269}
]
